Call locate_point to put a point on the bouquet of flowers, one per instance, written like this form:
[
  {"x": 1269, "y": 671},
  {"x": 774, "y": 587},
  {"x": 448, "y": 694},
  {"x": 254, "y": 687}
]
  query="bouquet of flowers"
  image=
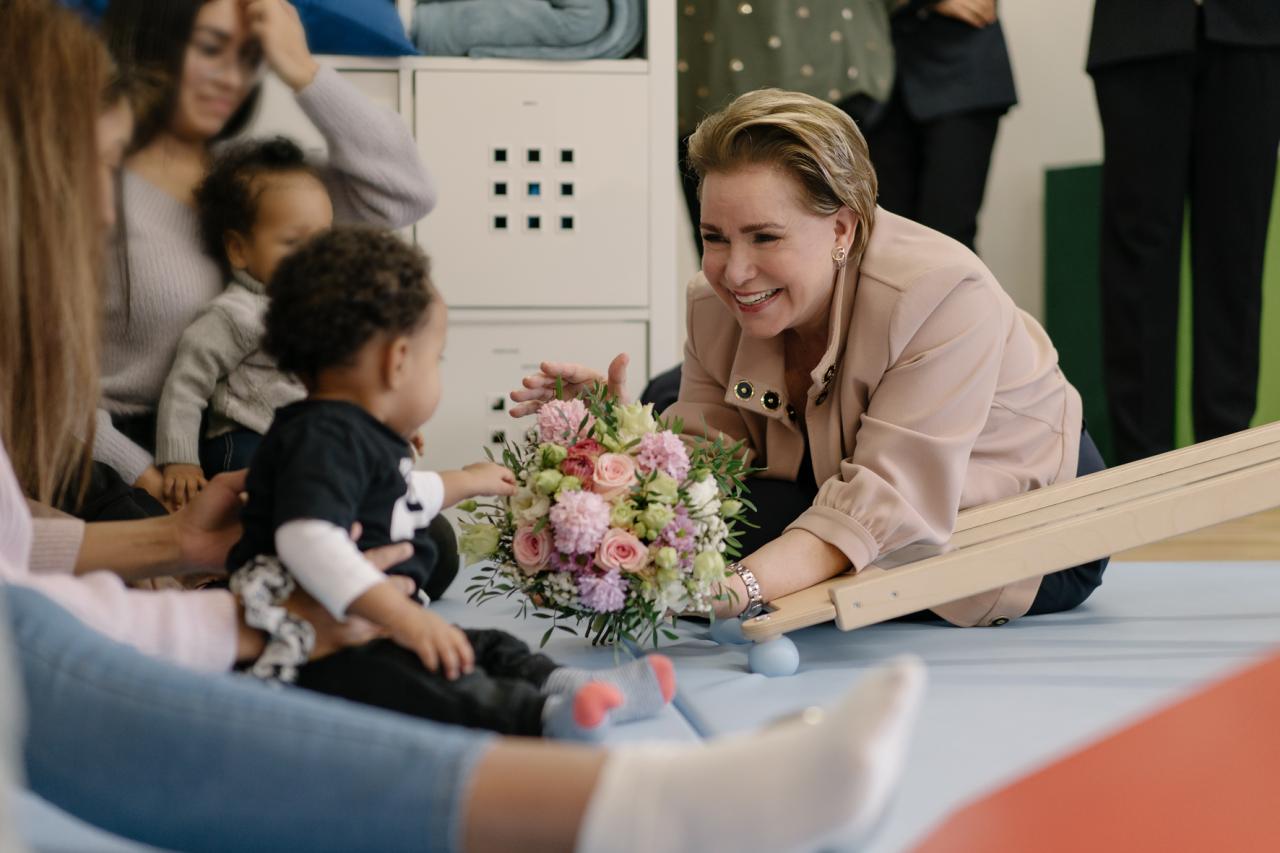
[{"x": 616, "y": 525}]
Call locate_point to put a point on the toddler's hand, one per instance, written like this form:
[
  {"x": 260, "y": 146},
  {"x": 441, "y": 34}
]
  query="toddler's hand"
[
  {"x": 182, "y": 483},
  {"x": 440, "y": 646},
  {"x": 490, "y": 478}
]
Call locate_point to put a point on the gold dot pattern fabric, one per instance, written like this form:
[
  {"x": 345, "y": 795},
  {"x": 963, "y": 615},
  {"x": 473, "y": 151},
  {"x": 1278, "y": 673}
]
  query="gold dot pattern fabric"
[{"x": 830, "y": 49}]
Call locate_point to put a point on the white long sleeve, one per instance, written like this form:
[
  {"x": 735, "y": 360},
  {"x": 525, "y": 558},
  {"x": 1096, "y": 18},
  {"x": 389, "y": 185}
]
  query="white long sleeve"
[{"x": 328, "y": 565}]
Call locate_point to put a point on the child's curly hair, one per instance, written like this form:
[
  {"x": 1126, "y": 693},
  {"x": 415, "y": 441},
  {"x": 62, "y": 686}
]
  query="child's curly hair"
[
  {"x": 338, "y": 290},
  {"x": 227, "y": 199}
]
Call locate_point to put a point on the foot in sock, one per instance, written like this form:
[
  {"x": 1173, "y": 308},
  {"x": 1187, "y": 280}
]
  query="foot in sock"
[
  {"x": 647, "y": 685},
  {"x": 818, "y": 780},
  {"x": 585, "y": 714}
]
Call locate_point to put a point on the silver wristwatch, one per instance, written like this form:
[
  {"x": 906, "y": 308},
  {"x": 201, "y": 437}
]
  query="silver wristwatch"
[{"x": 755, "y": 602}]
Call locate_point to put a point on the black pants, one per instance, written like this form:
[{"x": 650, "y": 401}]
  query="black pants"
[
  {"x": 780, "y": 502},
  {"x": 110, "y": 498},
  {"x": 1202, "y": 127},
  {"x": 934, "y": 172},
  {"x": 503, "y": 693}
]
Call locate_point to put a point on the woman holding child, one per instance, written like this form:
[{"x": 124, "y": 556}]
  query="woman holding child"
[
  {"x": 205, "y": 59},
  {"x": 875, "y": 368},
  {"x": 197, "y": 760}
]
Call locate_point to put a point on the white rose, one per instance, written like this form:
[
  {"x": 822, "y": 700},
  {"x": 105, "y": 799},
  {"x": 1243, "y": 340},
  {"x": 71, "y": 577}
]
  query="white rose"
[{"x": 704, "y": 497}]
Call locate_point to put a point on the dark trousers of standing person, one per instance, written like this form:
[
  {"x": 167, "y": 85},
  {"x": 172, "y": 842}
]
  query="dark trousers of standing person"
[
  {"x": 935, "y": 171},
  {"x": 1201, "y": 127},
  {"x": 503, "y": 693}
]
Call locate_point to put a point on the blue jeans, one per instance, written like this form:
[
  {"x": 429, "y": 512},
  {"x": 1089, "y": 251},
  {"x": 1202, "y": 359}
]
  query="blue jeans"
[
  {"x": 230, "y": 451},
  {"x": 186, "y": 761}
]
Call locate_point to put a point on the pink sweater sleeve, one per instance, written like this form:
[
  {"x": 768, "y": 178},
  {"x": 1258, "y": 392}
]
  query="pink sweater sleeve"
[{"x": 193, "y": 629}]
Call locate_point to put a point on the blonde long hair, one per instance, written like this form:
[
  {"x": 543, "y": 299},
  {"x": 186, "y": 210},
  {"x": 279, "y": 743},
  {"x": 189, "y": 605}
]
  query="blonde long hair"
[
  {"x": 815, "y": 142},
  {"x": 50, "y": 243}
]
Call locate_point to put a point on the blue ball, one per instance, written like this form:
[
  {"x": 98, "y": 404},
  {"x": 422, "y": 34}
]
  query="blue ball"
[
  {"x": 728, "y": 632},
  {"x": 774, "y": 658}
]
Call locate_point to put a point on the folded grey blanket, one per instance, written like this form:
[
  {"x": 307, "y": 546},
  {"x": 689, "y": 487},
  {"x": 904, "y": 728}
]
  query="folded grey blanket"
[{"x": 529, "y": 29}]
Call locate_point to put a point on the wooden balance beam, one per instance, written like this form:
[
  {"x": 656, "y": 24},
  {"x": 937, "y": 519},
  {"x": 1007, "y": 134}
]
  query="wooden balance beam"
[{"x": 1045, "y": 531}]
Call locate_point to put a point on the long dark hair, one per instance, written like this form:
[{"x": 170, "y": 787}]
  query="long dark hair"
[{"x": 150, "y": 40}]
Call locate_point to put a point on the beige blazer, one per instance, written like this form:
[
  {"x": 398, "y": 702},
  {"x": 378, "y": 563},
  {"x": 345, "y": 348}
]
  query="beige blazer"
[{"x": 935, "y": 394}]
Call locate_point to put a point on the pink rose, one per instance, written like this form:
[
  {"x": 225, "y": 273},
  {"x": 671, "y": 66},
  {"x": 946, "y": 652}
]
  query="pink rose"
[
  {"x": 532, "y": 550},
  {"x": 614, "y": 475},
  {"x": 620, "y": 550}
]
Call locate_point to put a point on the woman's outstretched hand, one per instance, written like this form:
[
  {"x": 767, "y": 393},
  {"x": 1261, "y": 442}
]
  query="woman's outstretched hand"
[{"x": 541, "y": 387}]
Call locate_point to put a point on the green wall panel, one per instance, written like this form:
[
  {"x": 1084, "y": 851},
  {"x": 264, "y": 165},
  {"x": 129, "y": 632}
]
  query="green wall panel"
[{"x": 1072, "y": 307}]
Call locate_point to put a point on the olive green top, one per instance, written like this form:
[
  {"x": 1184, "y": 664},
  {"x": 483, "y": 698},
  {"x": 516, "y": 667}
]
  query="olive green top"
[{"x": 827, "y": 48}]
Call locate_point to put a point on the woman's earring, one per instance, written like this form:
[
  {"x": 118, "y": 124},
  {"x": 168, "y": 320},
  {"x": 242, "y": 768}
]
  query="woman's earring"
[{"x": 840, "y": 255}]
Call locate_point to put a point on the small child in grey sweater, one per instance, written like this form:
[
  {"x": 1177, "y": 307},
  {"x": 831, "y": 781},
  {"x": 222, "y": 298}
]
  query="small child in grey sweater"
[{"x": 260, "y": 201}]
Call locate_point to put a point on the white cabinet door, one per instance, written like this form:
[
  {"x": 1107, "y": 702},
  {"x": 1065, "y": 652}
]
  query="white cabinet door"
[
  {"x": 485, "y": 361},
  {"x": 544, "y": 187}
]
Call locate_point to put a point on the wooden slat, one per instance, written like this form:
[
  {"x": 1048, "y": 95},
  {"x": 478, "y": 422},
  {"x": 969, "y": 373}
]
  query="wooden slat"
[{"x": 1086, "y": 500}]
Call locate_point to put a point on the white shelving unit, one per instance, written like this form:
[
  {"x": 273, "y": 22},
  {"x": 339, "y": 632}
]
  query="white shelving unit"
[{"x": 555, "y": 235}]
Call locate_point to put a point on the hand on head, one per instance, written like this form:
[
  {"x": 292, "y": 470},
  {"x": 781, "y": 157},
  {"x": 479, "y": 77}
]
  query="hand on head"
[
  {"x": 277, "y": 27},
  {"x": 573, "y": 378}
]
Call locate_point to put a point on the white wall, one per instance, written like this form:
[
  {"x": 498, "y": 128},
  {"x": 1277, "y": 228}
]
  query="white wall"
[{"x": 1054, "y": 124}]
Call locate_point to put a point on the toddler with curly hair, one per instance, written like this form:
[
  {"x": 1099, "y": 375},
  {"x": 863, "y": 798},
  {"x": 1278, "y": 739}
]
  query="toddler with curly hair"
[{"x": 354, "y": 316}]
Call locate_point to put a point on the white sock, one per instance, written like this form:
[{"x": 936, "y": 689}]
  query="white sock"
[{"x": 797, "y": 786}]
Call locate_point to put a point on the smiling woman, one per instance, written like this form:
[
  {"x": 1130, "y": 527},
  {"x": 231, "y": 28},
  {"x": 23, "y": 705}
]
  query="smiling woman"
[{"x": 875, "y": 369}]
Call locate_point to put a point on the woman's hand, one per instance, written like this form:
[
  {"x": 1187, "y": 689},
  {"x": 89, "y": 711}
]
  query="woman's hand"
[
  {"x": 209, "y": 524},
  {"x": 975, "y": 13},
  {"x": 540, "y": 387},
  {"x": 332, "y": 635},
  {"x": 182, "y": 483},
  {"x": 277, "y": 27}
]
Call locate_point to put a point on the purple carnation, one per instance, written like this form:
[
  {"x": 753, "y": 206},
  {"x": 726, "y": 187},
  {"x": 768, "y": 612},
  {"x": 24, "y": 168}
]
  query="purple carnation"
[
  {"x": 665, "y": 452},
  {"x": 680, "y": 533},
  {"x": 602, "y": 593},
  {"x": 580, "y": 520}
]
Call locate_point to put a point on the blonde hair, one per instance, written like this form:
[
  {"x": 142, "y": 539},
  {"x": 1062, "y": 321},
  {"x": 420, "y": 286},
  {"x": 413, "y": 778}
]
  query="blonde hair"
[
  {"x": 813, "y": 141},
  {"x": 50, "y": 243}
]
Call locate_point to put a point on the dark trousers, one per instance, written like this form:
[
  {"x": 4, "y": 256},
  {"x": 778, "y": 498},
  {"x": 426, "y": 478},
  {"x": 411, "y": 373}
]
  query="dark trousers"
[
  {"x": 503, "y": 693},
  {"x": 110, "y": 498},
  {"x": 780, "y": 502},
  {"x": 934, "y": 172},
  {"x": 1201, "y": 127},
  {"x": 230, "y": 451}
]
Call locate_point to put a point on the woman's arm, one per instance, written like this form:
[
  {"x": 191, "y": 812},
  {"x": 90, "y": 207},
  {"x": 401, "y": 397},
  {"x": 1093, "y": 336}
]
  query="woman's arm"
[
  {"x": 904, "y": 480},
  {"x": 374, "y": 173},
  {"x": 114, "y": 448}
]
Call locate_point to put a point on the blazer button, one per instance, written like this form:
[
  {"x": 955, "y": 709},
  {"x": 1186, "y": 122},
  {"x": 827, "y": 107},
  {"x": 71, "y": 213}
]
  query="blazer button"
[
  {"x": 996, "y": 623},
  {"x": 791, "y": 412},
  {"x": 744, "y": 390},
  {"x": 771, "y": 400}
]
